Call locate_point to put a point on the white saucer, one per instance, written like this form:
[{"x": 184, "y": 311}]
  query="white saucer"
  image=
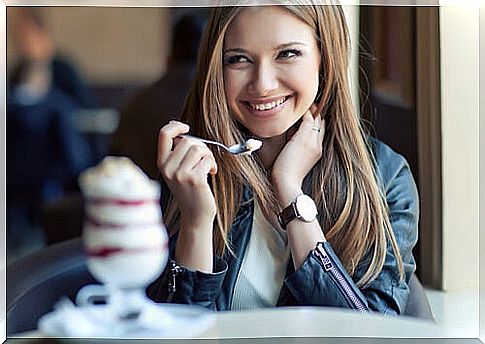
[{"x": 155, "y": 321}]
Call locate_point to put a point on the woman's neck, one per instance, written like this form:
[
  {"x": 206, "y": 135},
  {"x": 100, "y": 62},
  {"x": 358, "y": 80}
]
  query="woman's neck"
[{"x": 272, "y": 146}]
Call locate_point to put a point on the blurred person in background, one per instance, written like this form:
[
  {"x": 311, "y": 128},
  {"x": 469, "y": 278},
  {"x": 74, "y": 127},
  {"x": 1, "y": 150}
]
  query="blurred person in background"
[
  {"x": 45, "y": 153},
  {"x": 152, "y": 107},
  {"x": 40, "y": 66}
]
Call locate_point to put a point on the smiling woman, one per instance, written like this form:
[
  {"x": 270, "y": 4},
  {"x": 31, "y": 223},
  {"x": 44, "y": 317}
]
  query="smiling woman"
[{"x": 321, "y": 214}]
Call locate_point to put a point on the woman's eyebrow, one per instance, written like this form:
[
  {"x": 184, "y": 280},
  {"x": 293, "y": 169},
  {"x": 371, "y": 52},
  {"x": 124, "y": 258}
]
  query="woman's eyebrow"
[
  {"x": 278, "y": 47},
  {"x": 235, "y": 50},
  {"x": 289, "y": 44}
]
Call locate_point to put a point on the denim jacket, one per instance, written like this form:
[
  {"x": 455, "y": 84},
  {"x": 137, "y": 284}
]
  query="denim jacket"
[{"x": 321, "y": 280}]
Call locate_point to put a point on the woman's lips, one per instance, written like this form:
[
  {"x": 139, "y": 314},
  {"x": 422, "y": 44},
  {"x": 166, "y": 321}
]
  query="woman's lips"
[{"x": 266, "y": 108}]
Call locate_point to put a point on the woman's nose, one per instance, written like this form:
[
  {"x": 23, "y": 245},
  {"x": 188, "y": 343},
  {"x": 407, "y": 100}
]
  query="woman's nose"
[{"x": 264, "y": 79}]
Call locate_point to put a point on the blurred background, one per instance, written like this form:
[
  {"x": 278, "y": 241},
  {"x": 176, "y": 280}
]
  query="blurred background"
[{"x": 85, "y": 82}]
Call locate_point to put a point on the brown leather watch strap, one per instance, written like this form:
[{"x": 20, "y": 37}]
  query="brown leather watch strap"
[{"x": 287, "y": 215}]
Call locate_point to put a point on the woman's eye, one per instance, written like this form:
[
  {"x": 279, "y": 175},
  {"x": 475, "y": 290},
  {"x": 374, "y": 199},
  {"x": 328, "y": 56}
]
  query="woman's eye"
[
  {"x": 234, "y": 59},
  {"x": 289, "y": 53}
]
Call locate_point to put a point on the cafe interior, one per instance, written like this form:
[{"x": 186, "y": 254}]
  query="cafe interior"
[{"x": 414, "y": 77}]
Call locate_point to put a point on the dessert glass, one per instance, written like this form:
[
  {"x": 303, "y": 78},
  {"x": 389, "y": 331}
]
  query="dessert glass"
[{"x": 124, "y": 236}]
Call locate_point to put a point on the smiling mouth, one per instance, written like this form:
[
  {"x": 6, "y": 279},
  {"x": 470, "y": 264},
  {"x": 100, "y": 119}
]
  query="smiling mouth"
[{"x": 266, "y": 106}]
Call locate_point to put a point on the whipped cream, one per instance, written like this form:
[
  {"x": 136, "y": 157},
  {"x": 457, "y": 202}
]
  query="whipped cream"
[
  {"x": 120, "y": 178},
  {"x": 253, "y": 145}
]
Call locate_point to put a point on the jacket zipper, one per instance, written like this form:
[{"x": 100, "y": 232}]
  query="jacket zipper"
[
  {"x": 174, "y": 271},
  {"x": 329, "y": 267}
]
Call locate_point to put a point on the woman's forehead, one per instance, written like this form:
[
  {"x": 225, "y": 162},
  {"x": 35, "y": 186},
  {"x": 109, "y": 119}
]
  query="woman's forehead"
[{"x": 266, "y": 25}]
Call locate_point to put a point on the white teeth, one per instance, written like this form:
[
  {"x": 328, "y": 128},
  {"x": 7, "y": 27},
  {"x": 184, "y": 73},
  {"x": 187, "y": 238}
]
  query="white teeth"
[{"x": 267, "y": 106}]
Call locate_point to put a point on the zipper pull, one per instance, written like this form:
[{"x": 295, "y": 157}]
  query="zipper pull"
[
  {"x": 327, "y": 264},
  {"x": 175, "y": 270}
]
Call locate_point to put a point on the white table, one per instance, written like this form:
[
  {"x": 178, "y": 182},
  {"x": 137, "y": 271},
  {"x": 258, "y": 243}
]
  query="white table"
[
  {"x": 318, "y": 322},
  {"x": 312, "y": 322}
]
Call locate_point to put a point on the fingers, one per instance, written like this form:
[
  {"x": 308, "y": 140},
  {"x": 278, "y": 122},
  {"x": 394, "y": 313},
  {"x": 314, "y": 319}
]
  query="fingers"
[
  {"x": 312, "y": 123},
  {"x": 166, "y": 138},
  {"x": 313, "y": 110},
  {"x": 183, "y": 159},
  {"x": 199, "y": 160},
  {"x": 319, "y": 122},
  {"x": 179, "y": 152},
  {"x": 206, "y": 166},
  {"x": 311, "y": 133}
]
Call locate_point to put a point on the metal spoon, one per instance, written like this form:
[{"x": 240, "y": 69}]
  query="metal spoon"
[{"x": 246, "y": 147}]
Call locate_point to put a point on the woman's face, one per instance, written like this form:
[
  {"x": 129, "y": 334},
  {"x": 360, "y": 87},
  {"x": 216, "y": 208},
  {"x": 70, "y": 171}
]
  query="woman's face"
[{"x": 271, "y": 67}]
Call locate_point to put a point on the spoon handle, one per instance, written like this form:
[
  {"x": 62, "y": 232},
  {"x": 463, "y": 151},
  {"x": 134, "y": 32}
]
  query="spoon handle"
[{"x": 206, "y": 141}]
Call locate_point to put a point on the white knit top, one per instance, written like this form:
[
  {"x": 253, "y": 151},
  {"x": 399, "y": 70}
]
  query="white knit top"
[{"x": 263, "y": 268}]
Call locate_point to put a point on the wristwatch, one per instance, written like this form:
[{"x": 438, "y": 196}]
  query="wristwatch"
[{"x": 303, "y": 208}]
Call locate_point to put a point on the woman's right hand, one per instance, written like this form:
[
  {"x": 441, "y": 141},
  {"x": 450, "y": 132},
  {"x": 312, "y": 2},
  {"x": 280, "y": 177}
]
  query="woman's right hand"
[{"x": 185, "y": 164}]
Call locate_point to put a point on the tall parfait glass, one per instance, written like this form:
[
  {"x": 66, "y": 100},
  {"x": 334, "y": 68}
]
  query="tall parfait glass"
[{"x": 124, "y": 236}]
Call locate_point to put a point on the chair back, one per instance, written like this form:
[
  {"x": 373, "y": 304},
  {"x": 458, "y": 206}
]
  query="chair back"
[
  {"x": 418, "y": 304},
  {"x": 36, "y": 282}
]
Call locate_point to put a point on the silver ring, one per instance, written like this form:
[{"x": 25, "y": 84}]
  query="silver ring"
[{"x": 317, "y": 129}]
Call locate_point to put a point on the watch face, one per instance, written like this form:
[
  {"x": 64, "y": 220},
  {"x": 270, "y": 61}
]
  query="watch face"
[{"x": 306, "y": 208}]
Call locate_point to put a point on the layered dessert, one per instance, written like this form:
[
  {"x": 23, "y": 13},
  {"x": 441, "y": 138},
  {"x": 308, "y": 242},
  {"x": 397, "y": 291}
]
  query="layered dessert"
[{"x": 124, "y": 236}]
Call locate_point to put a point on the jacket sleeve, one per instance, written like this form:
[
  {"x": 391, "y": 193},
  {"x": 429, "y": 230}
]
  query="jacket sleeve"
[
  {"x": 181, "y": 285},
  {"x": 322, "y": 280}
]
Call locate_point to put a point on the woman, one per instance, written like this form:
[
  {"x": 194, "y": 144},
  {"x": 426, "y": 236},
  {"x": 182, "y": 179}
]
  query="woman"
[{"x": 248, "y": 236}]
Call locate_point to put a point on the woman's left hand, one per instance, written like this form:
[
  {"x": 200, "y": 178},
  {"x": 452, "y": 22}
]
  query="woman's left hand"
[{"x": 298, "y": 156}]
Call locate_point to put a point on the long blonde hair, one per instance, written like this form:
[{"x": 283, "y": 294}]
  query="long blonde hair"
[{"x": 353, "y": 211}]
